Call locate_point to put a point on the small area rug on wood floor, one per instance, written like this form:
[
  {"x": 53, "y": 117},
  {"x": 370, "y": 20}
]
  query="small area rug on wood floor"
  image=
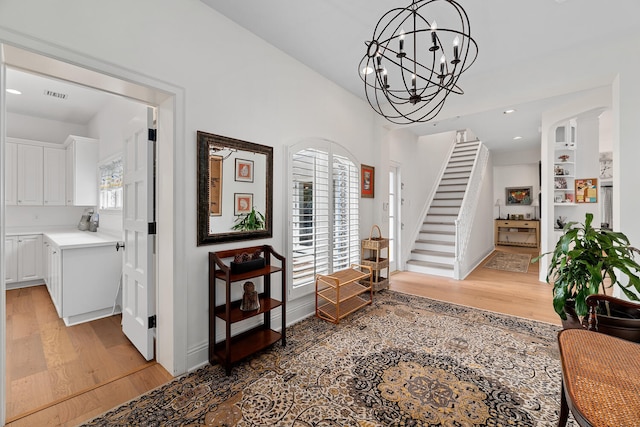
[
  {"x": 403, "y": 361},
  {"x": 508, "y": 261}
]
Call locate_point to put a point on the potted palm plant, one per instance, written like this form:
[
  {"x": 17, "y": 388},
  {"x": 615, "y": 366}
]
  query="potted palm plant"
[{"x": 588, "y": 260}]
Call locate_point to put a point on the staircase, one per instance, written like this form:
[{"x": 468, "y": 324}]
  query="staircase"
[{"x": 434, "y": 249}]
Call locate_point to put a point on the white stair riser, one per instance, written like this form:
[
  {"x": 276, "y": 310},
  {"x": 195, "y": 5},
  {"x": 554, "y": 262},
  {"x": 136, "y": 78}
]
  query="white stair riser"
[
  {"x": 447, "y": 183},
  {"x": 454, "y": 195},
  {"x": 430, "y": 270},
  {"x": 440, "y": 259},
  {"x": 440, "y": 247},
  {"x": 453, "y": 175},
  {"x": 449, "y": 188},
  {"x": 440, "y": 210},
  {"x": 461, "y": 164},
  {"x": 446, "y": 203},
  {"x": 435, "y": 236},
  {"x": 426, "y": 228},
  {"x": 441, "y": 218}
]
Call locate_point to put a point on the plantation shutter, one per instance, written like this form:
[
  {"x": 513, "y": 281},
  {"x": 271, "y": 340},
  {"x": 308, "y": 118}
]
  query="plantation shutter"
[{"x": 324, "y": 196}]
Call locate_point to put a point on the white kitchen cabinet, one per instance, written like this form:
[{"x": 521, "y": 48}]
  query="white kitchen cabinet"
[
  {"x": 29, "y": 174},
  {"x": 83, "y": 274},
  {"x": 81, "y": 171},
  {"x": 53, "y": 273},
  {"x": 23, "y": 258},
  {"x": 11, "y": 259},
  {"x": 54, "y": 176},
  {"x": 11, "y": 173}
]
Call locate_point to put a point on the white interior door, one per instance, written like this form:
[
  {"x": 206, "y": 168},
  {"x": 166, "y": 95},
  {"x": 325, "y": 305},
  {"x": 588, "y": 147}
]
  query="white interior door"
[{"x": 138, "y": 284}]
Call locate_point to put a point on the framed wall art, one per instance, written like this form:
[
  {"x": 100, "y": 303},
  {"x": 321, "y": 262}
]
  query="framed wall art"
[
  {"x": 587, "y": 190},
  {"x": 518, "y": 195},
  {"x": 367, "y": 181},
  {"x": 242, "y": 202},
  {"x": 244, "y": 170},
  {"x": 215, "y": 185}
]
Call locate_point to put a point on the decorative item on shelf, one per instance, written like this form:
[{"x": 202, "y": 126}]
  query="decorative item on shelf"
[
  {"x": 498, "y": 203},
  {"x": 559, "y": 171},
  {"x": 247, "y": 262},
  {"x": 560, "y": 184},
  {"x": 560, "y": 222},
  {"x": 563, "y": 157},
  {"x": 250, "y": 300},
  {"x": 425, "y": 60}
]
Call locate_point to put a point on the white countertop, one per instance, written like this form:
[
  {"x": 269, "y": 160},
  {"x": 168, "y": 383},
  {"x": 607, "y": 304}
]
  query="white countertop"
[{"x": 69, "y": 238}]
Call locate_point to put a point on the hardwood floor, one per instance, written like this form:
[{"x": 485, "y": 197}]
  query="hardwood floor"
[
  {"x": 517, "y": 294},
  {"x": 58, "y": 375}
]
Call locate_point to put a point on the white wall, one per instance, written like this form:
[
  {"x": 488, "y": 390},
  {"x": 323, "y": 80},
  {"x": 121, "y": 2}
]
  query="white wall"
[
  {"x": 38, "y": 129},
  {"x": 516, "y": 175},
  {"x": 421, "y": 161},
  {"x": 109, "y": 126},
  {"x": 235, "y": 84}
]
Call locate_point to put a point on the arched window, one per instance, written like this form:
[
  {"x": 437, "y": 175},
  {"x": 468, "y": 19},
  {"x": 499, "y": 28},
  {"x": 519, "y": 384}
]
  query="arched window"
[{"x": 324, "y": 219}]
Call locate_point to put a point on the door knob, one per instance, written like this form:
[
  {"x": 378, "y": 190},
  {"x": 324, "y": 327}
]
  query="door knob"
[{"x": 119, "y": 245}]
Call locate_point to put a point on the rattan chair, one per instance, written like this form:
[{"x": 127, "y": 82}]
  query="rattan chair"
[{"x": 600, "y": 371}]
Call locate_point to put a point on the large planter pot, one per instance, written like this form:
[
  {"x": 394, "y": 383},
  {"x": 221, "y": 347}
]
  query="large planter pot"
[{"x": 621, "y": 322}]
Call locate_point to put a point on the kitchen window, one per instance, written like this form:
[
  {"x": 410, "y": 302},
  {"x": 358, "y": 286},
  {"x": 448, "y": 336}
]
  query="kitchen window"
[{"x": 111, "y": 175}]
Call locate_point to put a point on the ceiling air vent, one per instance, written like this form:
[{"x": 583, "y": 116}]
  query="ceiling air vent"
[{"x": 56, "y": 94}]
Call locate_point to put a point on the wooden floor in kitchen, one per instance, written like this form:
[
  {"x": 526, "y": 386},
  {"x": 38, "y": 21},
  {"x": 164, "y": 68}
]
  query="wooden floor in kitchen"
[
  {"x": 58, "y": 375},
  {"x": 98, "y": 368}
]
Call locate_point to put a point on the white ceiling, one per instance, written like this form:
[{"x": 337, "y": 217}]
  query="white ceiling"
[
  {"x": 328, "y": 36},
  {"x": 79, "y": 106}
]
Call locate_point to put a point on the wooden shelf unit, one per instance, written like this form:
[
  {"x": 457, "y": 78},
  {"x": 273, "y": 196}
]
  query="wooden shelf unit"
[
  {"x": 343, "y": 292},
  {"x": 506, "y": 228},
  {"x": 372, "y": 256},
  {"x": 237, "y": 347}
]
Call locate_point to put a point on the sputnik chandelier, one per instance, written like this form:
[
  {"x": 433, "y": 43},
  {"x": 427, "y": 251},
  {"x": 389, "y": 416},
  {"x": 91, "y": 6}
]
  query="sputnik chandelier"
[{"x": 412, "y": 63}]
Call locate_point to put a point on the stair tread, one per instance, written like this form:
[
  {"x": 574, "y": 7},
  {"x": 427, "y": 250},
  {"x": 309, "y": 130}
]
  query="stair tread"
[
  {"x": 430, "y": 264},
  {"x": 435, "y": 242},
  {"x": 441, "y": 232},
  {"x": 432, "y": 252}
]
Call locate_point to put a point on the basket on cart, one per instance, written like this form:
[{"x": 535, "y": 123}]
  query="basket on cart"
[{"x": 375, "y": 243}]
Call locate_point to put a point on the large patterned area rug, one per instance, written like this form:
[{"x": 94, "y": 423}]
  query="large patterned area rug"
[
  {"x": 507, "y": 261},
  {"x": 403, "y": 361}
]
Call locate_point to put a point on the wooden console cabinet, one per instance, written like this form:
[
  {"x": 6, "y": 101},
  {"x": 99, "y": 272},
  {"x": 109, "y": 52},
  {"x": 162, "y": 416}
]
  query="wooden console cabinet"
[
  {"x": 236, "y": 347},
  {"x": 512, "y": 232}
]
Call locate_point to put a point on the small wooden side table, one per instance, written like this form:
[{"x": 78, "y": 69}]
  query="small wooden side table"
[
  {"x": 343, "y": 292},
  {"x": 600, "y": 379}
]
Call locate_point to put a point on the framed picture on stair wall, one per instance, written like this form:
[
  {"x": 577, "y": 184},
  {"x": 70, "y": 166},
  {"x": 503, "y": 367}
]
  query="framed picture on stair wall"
[
  {"x": 367, "y": 181},
  {"x": 519, "y": 195}
]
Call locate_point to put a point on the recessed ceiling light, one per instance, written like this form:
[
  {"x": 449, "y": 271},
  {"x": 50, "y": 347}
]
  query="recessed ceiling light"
[
  {"x": 515, "y": 138},
  {"x": 509, "y": 111},
  {"x": 14, "y": 91}
]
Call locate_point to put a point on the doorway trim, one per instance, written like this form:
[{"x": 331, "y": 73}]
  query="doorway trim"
[{"x": 28, "y": 53}]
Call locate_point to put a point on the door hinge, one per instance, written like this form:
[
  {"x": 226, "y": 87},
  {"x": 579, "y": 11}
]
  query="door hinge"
[
  {"x": 152, "y": 135},
  {"x": 152, "y": 228},
  {"x": 152, "y": 321}
]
